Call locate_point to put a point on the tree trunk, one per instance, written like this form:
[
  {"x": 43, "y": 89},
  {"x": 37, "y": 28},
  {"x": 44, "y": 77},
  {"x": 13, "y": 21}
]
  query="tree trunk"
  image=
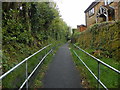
[
  {"x": 119, "y": 10},
  {"x": 27, "y": 18}
]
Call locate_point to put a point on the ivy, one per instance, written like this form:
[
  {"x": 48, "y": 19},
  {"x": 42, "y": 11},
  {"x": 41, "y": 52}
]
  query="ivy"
[
  {"x": 29, "y": 25},
  {"x": 102, "y": 36}
]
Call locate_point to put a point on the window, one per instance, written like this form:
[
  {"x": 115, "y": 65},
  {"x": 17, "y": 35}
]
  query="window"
[
  {"x": 105, "y": 2},
  {"x": 108, "y": 2},
  {"x": 91, "y": 12}
]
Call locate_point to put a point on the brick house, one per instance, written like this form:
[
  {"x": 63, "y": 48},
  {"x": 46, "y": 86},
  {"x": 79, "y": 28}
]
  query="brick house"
[
  {"x": 101, "y": 11},
  {"x": 81, "y": 28}
]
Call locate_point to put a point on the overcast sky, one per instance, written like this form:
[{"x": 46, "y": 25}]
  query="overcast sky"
[{"x": 72, "y": 11}]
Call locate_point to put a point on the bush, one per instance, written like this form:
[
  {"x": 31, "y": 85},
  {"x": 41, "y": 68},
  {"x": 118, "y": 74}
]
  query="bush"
[{"x": 102, "y": 36}]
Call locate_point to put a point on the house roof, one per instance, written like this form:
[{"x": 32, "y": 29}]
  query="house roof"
[
  {"x": 81, "y": 25},
  {"x": 92, "y": 5}
]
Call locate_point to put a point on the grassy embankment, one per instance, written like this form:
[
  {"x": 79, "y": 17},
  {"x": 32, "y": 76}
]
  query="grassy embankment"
[
  {"x": 107, "y": 76},
  {"x": 102, "y": 41},
  {"x": 18, "y": 75}
]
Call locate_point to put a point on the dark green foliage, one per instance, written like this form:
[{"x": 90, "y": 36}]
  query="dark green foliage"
[
  {"x": 102, "y": 37},
  {"x": 27, "y": 29}
]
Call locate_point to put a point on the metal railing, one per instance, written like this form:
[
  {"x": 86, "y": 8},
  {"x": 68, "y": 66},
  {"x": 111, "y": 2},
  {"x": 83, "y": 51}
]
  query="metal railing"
[
  {"x": 25, "y": 60},
  {"x": 99, "y": 62}
]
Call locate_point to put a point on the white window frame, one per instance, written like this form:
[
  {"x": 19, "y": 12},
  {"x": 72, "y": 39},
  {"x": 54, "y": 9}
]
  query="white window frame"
[
  {"x": 91, "y": 12},
  {"x": 110, "y": 1},
  {"x": 107, "y": 2}
]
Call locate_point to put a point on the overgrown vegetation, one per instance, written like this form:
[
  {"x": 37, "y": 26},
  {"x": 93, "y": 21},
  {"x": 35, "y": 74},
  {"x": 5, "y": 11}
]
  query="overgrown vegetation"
[
  {"x": 27, "y": 27},
  {"x": 103, "y": 39}
]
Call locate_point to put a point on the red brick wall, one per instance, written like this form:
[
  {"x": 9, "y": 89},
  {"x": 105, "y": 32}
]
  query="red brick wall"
[{"x": 82, "y": 28}]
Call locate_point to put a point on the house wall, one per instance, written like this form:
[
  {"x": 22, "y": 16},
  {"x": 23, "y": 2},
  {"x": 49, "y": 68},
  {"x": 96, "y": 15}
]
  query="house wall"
[
  {"x": 82, "y": 28},
  {"x": 92, "y": 19},
  {"x": 115, "y": 5}
]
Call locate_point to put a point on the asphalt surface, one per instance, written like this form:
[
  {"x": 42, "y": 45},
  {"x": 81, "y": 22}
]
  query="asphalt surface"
[{"x": 62, "y": 72}]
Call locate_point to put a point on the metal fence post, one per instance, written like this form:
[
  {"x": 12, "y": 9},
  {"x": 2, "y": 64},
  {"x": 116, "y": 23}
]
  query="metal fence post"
[
  {"x": 98, "y": 75},
  {"x": 26, "y": 75}
]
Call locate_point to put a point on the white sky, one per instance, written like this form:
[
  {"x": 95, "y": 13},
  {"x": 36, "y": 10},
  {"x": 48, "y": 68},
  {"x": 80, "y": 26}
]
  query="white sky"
[{"x": 72, "y": 11}]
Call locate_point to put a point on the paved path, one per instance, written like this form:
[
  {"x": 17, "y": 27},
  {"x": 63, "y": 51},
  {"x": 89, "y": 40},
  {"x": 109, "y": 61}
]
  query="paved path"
[{"x": 62, "y": 72}]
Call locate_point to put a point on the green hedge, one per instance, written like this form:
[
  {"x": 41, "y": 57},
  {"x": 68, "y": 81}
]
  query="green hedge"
[{"x": 103, "y": 37}]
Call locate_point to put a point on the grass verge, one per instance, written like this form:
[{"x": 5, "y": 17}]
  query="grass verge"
[
  {"x": 107, "y": 76},
  {"x": 18, "y": 75}
]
